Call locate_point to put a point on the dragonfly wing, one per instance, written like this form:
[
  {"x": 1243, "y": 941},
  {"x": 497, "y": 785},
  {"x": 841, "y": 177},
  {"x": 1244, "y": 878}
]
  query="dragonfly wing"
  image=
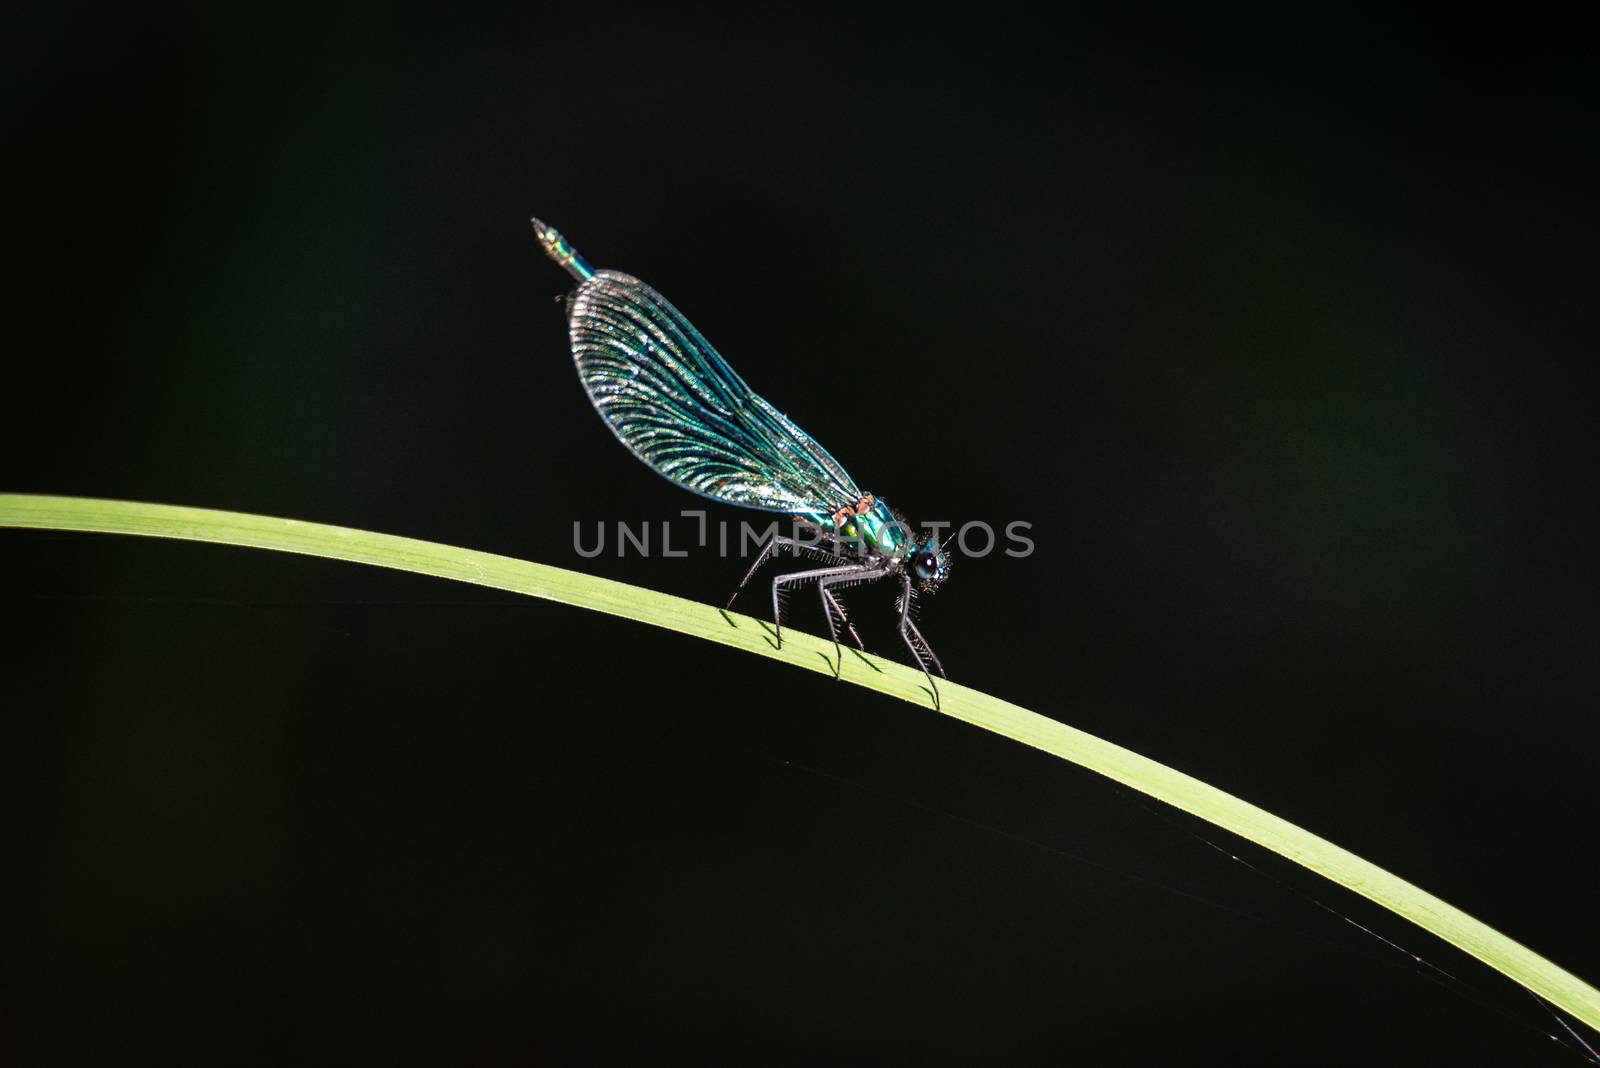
[{"x": 671, "y": 399}]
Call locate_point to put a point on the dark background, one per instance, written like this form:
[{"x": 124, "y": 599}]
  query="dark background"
[{"x": 1282, "y": 335}]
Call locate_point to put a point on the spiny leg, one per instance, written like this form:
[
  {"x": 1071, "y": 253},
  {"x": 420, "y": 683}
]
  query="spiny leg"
[
  {"x": 863, "y": 572},
  {"x": 773, "y": 543},
  {"x": 835, "y": 610},
  {"x": 921, "y": 643},
  {"x": 907, "y": 629},
  {"x": 926, "y": 648},
  {"x": 831, "y": 605}
]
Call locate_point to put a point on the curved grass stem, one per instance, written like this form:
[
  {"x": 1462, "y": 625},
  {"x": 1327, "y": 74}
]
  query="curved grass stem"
[{"x": 1521, "y": 964}]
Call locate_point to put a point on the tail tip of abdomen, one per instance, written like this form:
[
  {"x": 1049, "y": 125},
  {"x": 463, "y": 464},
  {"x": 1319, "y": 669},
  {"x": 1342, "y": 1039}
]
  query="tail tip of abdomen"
[{"x": 555, "y": 246}]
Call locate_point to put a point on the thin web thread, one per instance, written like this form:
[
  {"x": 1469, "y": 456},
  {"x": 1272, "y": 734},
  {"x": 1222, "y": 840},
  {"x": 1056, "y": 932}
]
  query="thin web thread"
[
  {"x": 1461, "y": 988},
  {"x": 1594, "y": 1058},
  {"x": 1443, "y": 979}
]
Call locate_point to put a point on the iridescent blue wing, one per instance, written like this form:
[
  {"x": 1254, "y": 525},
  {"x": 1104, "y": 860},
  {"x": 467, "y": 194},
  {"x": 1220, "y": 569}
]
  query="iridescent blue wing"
[{"x": 670, "y": 398}]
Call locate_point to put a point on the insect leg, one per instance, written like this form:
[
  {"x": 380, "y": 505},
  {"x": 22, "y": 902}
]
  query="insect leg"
[
  {"x": 927, "y": 650},
  {"x": 831, "y": 606},
  {"x": 774, "y": 542},
  {"x": 859, "y": 572},
  {"x": 761, "y": 558},
  {"x": 907, "y": 630},
  {"x": 837, "y": 607}
]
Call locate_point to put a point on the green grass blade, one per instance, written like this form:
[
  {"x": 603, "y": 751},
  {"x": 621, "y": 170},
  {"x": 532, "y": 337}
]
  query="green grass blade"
[{"x": 1521, "y": 964}]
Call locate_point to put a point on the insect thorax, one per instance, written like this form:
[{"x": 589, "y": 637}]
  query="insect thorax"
[{"x": 875, "y": 526}]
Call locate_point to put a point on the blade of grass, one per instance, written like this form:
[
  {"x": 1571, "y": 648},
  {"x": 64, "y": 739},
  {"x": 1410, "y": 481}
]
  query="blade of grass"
[{"x": 1521, "y": 964}]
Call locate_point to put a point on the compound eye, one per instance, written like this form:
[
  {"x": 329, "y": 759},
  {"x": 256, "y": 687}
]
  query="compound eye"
[{"x": 927, "y": 563}]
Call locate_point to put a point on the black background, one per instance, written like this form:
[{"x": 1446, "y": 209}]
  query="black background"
[{"x": 1282, "y": 335}]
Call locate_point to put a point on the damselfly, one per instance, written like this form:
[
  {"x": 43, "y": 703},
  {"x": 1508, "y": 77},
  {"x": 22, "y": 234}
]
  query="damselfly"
[{"x": 677, "y": 405}]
